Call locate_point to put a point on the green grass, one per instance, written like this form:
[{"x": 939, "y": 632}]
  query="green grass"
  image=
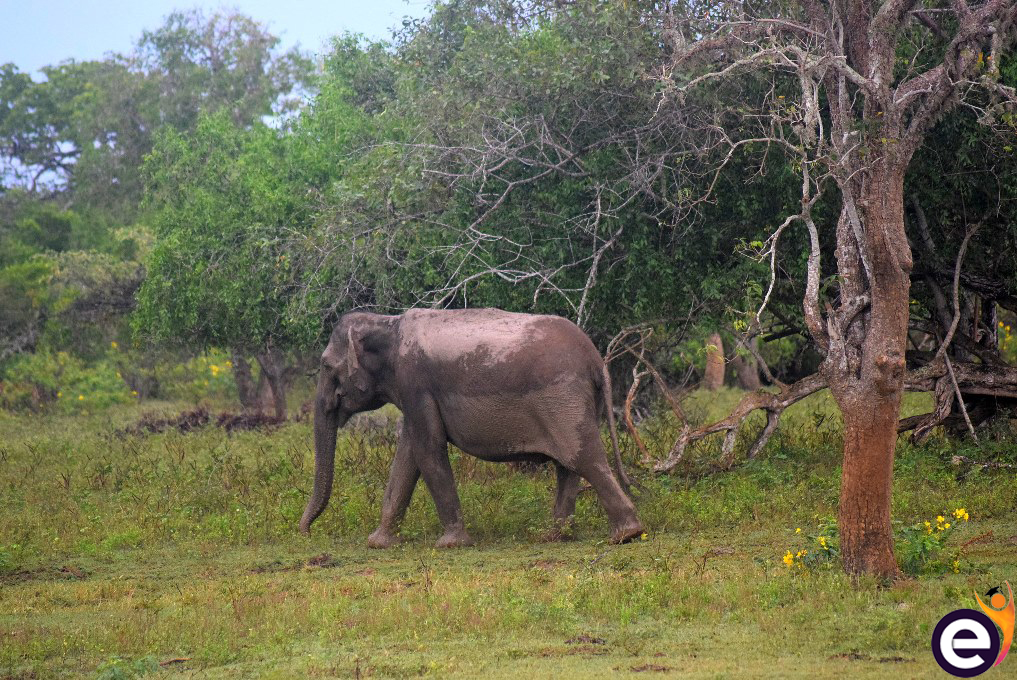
[{"x": 117, "y": 553}]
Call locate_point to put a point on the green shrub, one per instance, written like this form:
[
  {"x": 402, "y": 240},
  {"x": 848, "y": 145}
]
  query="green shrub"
[
  {"x": 62, "y": 381},
  {"x": 920, "y": 547}
]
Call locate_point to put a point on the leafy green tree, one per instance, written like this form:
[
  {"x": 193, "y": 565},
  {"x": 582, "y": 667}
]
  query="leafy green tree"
[
  {"x": 85, "y": 129},
  {"x": 222, "y": 203},
  {"x": 503, "y": 157}
]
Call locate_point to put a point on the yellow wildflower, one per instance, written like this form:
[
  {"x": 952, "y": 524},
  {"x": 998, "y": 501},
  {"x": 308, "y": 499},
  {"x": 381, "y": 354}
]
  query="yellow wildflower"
[
  {"x": 789, "y": 559},
  {"x": 928, "y": 528},
  {"x": 947, "y": 525},
  {"x": 798, "y": 530},
  {"x": 134, "y": 393},
  {"x": 956, "y": 566},
  {"x": 81, "y": 397},
  {"x": 59, "y": 394},
  {"x": 114, "y": 344},
  {"x": 940, "y": 519},
  {"x": 643, "y": 536},
  {"x": 822, "y": 542}
]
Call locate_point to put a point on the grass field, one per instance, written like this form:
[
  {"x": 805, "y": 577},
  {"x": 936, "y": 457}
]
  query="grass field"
[{"x": 176, "y": 555}]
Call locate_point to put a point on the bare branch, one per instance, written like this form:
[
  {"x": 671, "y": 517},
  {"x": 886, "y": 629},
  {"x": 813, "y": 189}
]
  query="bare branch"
[
  {"x": 956, "y": 292},
  {"x": 771, "y": 402}
]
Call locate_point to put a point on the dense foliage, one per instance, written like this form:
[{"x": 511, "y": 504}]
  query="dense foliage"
[{"x": 512, "y": 154}]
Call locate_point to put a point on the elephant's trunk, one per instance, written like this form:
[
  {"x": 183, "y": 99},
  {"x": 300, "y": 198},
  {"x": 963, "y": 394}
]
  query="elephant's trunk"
[{"x": 326, "y": 423}]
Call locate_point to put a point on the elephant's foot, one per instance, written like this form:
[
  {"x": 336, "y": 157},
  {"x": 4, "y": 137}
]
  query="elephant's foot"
[
  {"x": 454, "y": 538},
  {"x": 627, "y": 532},
  {"x": 382, "y": 538}
]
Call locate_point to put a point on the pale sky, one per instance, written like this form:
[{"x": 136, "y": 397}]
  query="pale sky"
[{"x": 37, "y": 33}]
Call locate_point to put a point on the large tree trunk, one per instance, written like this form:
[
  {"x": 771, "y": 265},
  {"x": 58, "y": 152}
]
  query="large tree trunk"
[
  {"x": 869, "y": 383},
  {"x": 713, "y": 376},
  {"x": 870, "y": 435},
  {"x": 272, "y": 369}
]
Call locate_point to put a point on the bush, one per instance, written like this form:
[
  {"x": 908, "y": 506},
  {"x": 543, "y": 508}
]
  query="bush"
[
  {"x": 920, "y": 547},
  {"x": 61, "y": 381}
]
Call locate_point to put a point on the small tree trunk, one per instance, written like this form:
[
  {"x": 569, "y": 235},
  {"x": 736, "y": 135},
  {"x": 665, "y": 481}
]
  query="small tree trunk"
[
  {"x": 271, "y": 368},
  {"x": 713, "y": 376},
  {"x": 747, "y": 369},
  {"x": 246, "y": 390}
]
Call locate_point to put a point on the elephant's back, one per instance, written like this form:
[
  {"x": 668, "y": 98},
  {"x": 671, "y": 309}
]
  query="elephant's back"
[{"x": 490, "y": 349}]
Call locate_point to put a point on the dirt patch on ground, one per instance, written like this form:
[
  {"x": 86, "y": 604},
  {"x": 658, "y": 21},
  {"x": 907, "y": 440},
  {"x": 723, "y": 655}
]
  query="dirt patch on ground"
[
  {"x": 63, "y": 572},
  {"x": 578, "y": 650},
  {"x": 199, "y": 418},
  {"x": 322, "y": 561},
  {"x": 855, "y": 656},
  {"x": 585, "y": 639}
]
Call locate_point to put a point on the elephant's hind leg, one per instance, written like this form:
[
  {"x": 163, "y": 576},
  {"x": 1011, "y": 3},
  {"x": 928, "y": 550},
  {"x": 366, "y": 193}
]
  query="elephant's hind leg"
[
  {"x": 402, "y": 480},
  {"x": 592, "y": 465},
  {"x": 564, "y": 503}
]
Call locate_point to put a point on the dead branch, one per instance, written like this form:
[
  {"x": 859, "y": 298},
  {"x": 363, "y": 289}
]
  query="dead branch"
[
  {"x": 990, "y": 465},
  {"x": 637, "y": 377},
  {"x": 956, "y": 291},
  {"x": 774, "y": 403},
  {"x": 960, "y": 397}
]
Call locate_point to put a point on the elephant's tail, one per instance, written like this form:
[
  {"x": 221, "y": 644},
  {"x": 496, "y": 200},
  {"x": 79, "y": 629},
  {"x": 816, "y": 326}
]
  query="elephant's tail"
[{"x": 619, "y": 468}]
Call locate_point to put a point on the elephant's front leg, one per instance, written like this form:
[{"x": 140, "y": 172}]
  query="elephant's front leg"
[
  {"x": 402, "y": 480},
  {"x": 437, "y": 474},
  {"x": 430, "y": 451}
]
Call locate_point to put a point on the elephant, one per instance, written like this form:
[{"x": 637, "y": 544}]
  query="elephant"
[{"x": 501, "y": 386}]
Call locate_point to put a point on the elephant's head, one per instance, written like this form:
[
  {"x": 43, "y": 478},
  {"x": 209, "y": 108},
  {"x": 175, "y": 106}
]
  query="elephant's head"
[{"x": 353, "y": 377}]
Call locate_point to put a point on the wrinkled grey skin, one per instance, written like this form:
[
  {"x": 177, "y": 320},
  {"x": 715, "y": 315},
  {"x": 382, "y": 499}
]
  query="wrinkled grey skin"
[{"x": 500, "y": 386}]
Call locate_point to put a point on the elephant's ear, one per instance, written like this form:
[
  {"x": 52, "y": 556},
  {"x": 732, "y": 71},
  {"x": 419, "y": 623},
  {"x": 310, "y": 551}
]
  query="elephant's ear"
[
  {"x": 352, "y": 363},
  {"x": 353, "y": 369}
]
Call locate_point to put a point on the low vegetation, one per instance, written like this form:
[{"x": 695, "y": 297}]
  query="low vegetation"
[{"x": 174, "y": 553}]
